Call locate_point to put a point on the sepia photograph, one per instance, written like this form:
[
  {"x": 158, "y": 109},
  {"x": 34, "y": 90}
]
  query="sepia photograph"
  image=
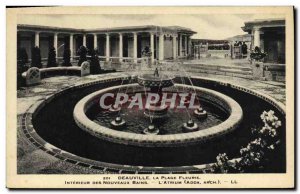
[{"x": 150, "y": 97}]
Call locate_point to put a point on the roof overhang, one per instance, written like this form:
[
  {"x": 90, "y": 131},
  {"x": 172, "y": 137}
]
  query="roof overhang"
[
  {"x": 127, "y": 29},
  {"x": 263, "y": 24}
]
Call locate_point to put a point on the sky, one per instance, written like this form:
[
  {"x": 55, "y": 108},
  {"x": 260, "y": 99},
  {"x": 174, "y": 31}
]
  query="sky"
[{"x": 212, "y": 26}]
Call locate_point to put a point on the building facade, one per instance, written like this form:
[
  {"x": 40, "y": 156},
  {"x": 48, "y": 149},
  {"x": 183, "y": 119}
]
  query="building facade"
[
  {"x": 269, "y": 36},
  {"x": 164, "y": 42}
]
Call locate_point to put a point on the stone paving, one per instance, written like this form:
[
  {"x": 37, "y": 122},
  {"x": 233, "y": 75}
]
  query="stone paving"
[{"x": 33, "y": 161}]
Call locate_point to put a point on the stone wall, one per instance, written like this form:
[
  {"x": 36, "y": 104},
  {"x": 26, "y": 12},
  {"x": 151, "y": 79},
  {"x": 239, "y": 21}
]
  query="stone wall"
[
  {"x": 114, "y": 47},
  {"x": 268, "y": 71},
  {"x": 44, "y": 47},
  {"x": 60, "y": 50},
  {"x": 27, "y": 43},
  {"x": 275, "y": 72},
  {"x": 130, "y": 47},
  {"x": 168, "y": 48},
  {"x": 219, "y": 54}
]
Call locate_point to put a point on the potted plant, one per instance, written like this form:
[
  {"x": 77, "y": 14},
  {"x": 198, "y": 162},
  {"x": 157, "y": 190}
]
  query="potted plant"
[{"x": 257, "y": 57}]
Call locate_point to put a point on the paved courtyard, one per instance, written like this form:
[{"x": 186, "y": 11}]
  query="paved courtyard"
[{"x": 33, "y": 160}]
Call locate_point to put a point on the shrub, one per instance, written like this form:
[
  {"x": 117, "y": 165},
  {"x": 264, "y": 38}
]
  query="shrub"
[
  {"x": 257, "y": 155},
  {"x": 66, "y": 57},
  {"x": 22, "y": 59},
  {"x": 36, "y": 57},
  {"x": 94, "y": 65},
  {"x": 52, "y": 57},
  {"x": 22, "y": 56},
  {"x": 223, "y": 165},
  {"x": 252, "y": 156},
  {"x": 82, "y": 51}
]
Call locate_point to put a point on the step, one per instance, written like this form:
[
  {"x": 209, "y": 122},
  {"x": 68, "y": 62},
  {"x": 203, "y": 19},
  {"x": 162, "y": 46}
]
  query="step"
[
  {"x": 218, "y": 66},
  {"x": 247, "y": 71},
  {"x": 247, "y": 76},
  {"x": 204, "y": 69},
  {"x": 236, "y": 71}
]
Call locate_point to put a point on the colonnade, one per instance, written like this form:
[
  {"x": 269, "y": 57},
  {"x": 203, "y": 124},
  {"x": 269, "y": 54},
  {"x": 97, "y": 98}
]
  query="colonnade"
[{"x": 176, "y": 52}]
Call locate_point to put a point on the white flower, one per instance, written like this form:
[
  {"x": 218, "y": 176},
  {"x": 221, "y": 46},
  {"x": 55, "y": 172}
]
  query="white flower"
[
  {"x": 221, "y": 159},
  {"x": 268, "y": 117},
  {"x": 276, "y": 124},
  {"x": 243, "y": 150},
  {"x": 272, "y": 133},
  {"x": 271, "y": 147},
  {"x": 263, "y": 116}
]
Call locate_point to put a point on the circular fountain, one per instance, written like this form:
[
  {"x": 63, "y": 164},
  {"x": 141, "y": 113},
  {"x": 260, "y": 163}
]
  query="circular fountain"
[{"x": 91, "y": 140}]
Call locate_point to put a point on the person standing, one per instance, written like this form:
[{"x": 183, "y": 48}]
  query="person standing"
[{"x": 244, "y": 48}]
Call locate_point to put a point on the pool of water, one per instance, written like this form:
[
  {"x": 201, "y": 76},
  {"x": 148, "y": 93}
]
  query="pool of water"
[
  {"x": 55, "y": 124},
  {"x": 172, "y": 123}
]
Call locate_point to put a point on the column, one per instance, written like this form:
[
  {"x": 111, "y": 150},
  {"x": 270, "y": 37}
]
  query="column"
[
  {"x": 95, "y": 42},
  {"x": 107, "y": 47},
  {"x": 174, "y": 46},
  {"x": 161, "y": 47},
  {"x": 185, "y": 46},
  {"x": 55, "y": 43},
  {"x": 37, "y": 39},
  {"x": 190, "y": 46},
  {"x": 121, "y": 47},
  {"x": 256, "y": 34},
  {"x": 71, "y": 47},
  {"x": 152, "y": 47},
  {"x": 180, "y": 45},
  {"x": 84, "y": 40},
  {"x": 177, "y": 42},
  {"x": 135, "y": 47}
]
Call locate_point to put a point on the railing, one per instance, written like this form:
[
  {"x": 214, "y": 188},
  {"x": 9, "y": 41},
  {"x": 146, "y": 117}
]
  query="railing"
[
  {"x": 113, "y": 63},
  {"x": 211, "y": 50}
]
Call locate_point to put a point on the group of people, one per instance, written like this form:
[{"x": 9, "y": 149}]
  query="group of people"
[{"x": 243, "y": 45}]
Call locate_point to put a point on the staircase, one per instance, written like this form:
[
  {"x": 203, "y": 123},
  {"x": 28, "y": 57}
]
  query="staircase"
[{"x": 227, "y": 70}]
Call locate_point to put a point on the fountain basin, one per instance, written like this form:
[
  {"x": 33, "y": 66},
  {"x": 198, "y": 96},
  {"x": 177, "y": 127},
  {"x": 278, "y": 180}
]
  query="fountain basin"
[
  {"x": 61, "y": 137},
  {"x": 149, "y": 80},
  {"x": 181, "y": 139}
]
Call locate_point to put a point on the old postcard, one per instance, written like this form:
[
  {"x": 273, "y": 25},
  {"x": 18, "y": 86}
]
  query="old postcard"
[{"x": 150, "y": 97}]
